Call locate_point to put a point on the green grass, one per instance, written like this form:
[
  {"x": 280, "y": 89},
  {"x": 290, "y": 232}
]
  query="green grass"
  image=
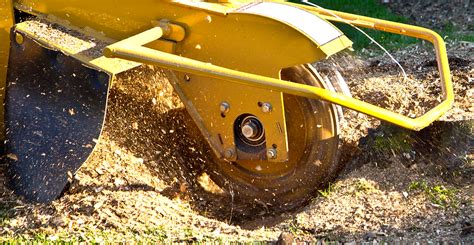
[
  {"x": 92, "y": 235},
  {"x": 156, "y": 232},
  {"x": 450, "y": 32},
  {"x": 293, "y": 227},
  {"x": 364, "y": 186},
  {"x": 95, "y": 237},
  {"x": 373, "y": 8},
  {"x": 5, "y": 214},
  {"x": 327, "y": 192},
  {"x": 394, "y": 139},
  {"x": 437, "y": 194},
  {"x": 41, "y": 238},
  {"x": 369, "y": 8},
  {"x": 395, "y": 142}
]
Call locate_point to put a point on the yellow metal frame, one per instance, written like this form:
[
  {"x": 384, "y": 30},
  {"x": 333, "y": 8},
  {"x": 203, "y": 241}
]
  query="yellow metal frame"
[
  {"x": 130, "y": 50},
  {"x": 78, "y": 12},
  {"x": 6, "y": 22},
  {"x": 215, "y": 33},
  {"x": 406, "y": 30}
]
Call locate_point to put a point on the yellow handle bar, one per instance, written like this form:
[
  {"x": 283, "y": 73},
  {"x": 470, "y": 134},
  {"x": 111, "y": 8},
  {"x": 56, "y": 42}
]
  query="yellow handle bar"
[{"x": 132, "y": 49}]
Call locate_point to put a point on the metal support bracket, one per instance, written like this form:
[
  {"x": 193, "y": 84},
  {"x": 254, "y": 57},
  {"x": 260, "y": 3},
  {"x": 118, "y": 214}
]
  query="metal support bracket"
[{"x": 204, "y": 97}]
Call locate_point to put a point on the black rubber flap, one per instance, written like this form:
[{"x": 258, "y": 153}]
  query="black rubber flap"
[{"x": 54, "y": 112}]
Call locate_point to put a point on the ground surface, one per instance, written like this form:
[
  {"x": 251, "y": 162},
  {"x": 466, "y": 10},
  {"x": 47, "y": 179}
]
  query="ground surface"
[
  {"x": 144, "y": 181},
  {"x": 438, "y": 14}
]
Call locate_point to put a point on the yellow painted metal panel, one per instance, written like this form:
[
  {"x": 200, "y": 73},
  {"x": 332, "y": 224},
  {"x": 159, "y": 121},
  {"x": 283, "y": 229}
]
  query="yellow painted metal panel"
[
  {"x": 6, "y": 22},
  {"x": 88, "y": 50},
  {"x": 215, "y": 33}
]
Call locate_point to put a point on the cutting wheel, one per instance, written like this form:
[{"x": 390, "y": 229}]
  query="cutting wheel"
[{"x": 312, "y": 127}]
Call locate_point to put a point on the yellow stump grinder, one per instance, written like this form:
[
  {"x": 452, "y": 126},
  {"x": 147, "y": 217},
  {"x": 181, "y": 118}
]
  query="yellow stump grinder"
[{"x": 241, "y": 68}]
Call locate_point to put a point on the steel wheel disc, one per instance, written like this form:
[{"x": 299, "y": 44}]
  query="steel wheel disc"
[{"x": 313, "y": 144}]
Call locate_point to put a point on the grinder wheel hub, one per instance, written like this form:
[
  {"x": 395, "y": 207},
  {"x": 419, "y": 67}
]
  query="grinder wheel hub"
[{"x": 252, "y": 131}]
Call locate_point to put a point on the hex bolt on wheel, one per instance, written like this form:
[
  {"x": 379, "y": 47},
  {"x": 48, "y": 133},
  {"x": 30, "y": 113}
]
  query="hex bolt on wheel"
[
  {"x": 229, "y": 153},
  {"x": 224, "y": 108},
  {"x": 271, "y": 153},
  {"x": 266, "y": 107}
]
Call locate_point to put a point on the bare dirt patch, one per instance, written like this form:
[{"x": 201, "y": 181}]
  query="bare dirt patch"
[{"x": 440, "y": 15}]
